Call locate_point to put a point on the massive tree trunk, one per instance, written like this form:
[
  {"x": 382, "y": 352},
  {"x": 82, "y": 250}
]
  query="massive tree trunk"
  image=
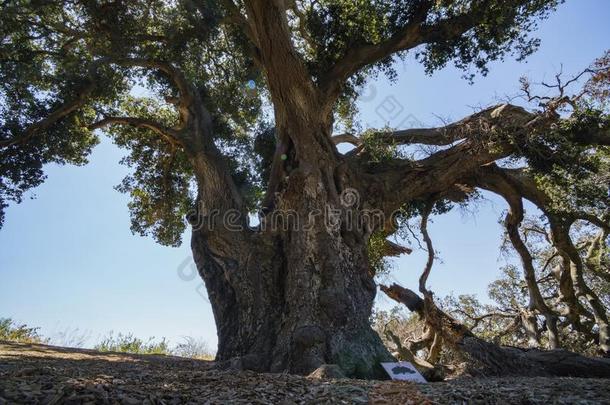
[{"x": 294, "y": 293}]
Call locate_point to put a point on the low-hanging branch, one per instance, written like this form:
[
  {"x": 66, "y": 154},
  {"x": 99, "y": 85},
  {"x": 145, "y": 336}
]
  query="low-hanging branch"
[
  {"x": 68, "y": 107},
  {"x": 176, "y": 76},
  {"x": 513, "y": 220},
  {"x": 482, "y": 358},
  {"x": 514, "y": 184}
]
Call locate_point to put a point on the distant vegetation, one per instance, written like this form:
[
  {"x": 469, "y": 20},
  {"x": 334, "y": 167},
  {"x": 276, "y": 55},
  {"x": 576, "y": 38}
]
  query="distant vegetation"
[
  {"x": 13, "y": 332},
  {"x": 123, "y": 343},
  {"x": 128, "y": 343},
  {"x": 194, "y": 349}
]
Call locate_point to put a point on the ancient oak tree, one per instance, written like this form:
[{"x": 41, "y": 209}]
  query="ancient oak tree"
[{"x": 237, "y": 106}]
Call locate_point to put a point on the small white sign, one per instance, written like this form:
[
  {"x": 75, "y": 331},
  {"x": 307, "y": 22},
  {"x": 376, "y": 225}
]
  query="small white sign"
[{"x": 404, "y": 371}]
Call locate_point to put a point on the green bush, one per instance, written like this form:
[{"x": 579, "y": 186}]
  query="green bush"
[
  {"x": 128, "y": 343},
  {"x": 12, "y": 332},
  {"x": 121, "y": 343}
]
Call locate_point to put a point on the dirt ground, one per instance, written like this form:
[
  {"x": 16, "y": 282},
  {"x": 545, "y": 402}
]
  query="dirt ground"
[{"x": 39, "y": 374}]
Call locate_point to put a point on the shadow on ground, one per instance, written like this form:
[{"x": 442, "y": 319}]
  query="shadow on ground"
[{"x": 57, "y": 375}]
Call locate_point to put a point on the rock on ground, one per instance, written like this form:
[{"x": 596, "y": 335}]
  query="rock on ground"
[{"x": 40, "y": 374}]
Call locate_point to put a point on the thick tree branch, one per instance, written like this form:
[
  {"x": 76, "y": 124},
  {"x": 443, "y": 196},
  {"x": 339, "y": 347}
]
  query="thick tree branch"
[
  {"x": 479, "y": 140},
  {"x": 424, "y": 136},
  {"x": 195, "y": 128},
  {"x": 391, "y": 249},
  {"x": 168, "y": 133},
  {"x": 484, "y": 125},
  {"x": 346, "y": 138},
  {"x": 194, "y": 133},
  {"x": 571, "y": 281},
  {"x": 413, "y": 34},
  {"x": 175, "y": 75},
  {"x": 360, "y": 56},
  {"x": 288, "y": 78},
  {"x": 439, "y": 136},
  {"x": 236, "y": 17},
  {"x": 595, "y": 256},
  {"x": 513, "y": 220},
  {"x": 527, "y": 187},
  {"x": 429, "y": 247},
  {"x": 55, "y": 116},
  {"x": 563, "y": 242},
  {"x": 483, "y": 358}
]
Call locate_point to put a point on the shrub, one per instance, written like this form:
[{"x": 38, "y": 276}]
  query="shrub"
[
  {"x": 12, "y": 332},
  {"x": 128, "y": 343},
  {"x": 194, "y": 349}
]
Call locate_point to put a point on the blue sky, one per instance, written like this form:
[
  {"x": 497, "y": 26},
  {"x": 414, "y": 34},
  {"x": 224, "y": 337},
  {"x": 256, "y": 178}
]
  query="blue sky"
[{"x": 68, "y": 259}]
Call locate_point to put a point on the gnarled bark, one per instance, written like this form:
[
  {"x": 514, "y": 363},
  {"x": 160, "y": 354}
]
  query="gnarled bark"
[{"x": 293, "y": 294}]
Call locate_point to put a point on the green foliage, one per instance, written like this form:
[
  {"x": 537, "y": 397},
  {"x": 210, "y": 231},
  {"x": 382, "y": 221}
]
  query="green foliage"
[
  {"x": 57, "y": 56},
  {"x": 377, "y": 148},
  {"x": 128, "y": 343},
  {"x": 12, "y": 332},
  {"x": 335, "y": 26},
  {"x": 416, "y": 208},
  {"x": 122, "y": 343},
  {"x": 52, "y": 55},
  {"x": 470, "y": 311},
  {"x": 504, "y": 28},
  {"x": 572, "y": 173},
  {"x": 38, "y": 74},
  {"x": 162, "y": 180},
  {"x": 509, "y": 293},
  {"x": 509, "y": 290},
  {"x": 574, "y": 176},
  {"x": 131, "y": 344},
  {"x": 499, "y": 319},
  {"x": 378, "y": 261}
]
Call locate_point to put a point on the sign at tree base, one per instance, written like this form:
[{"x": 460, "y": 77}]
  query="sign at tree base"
[{"x": 403, "y": 371}]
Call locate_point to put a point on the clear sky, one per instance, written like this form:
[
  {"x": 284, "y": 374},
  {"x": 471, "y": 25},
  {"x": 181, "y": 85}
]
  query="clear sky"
[{"x": 68, "y": 259}]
